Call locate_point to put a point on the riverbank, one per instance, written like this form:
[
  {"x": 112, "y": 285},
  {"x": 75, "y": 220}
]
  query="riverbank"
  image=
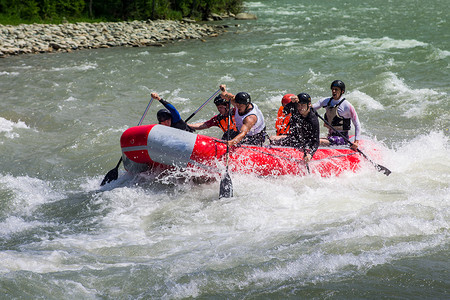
[{"x": 45, "y": 38}]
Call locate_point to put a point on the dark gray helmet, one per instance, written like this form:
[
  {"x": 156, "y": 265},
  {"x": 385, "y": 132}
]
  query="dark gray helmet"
[
  {"x": 242, "y": 98},
  {"x": 163, "y": 114},
  {"x": 220, "y": 101},
  {"x": 339, "y": 84},
  {"x": 304, "y": 98}
]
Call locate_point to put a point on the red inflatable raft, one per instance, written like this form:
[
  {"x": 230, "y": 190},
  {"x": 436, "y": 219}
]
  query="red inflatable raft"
[{"x": 161, "y": 147}]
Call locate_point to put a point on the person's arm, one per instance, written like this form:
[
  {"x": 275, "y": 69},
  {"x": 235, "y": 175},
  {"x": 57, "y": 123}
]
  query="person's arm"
[
  {"x": 357, "y": 125},
  {"x": 227, "y": 95},
  {"x": 350, "y": 112},
  {"x": 276, "y": 139},
  {"x": 317, "y": 105},
  {"x": 247, "y": 125},
  {"x": 174, "y": 112},
  {"x": 198, "y": 126},
  {"x": 204, "y": 125}
]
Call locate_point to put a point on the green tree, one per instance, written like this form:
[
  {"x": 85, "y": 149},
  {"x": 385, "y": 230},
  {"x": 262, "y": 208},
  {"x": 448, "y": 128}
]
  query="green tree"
[
  {"x": 113, "y": 10},
  {"x": 50, "y": 9},
  {"x": 21, "y": 9}
]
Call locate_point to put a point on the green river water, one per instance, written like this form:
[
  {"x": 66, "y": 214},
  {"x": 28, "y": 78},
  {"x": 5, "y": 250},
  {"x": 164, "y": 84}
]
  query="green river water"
[{"x": 361, "y": 235}]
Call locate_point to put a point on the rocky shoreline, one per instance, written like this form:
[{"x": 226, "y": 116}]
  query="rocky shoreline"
[{"x": 67, "y": 37}]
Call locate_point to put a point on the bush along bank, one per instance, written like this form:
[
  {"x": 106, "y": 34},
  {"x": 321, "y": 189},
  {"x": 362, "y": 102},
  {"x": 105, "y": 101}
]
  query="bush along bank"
[{"x": 67, "y": 37}]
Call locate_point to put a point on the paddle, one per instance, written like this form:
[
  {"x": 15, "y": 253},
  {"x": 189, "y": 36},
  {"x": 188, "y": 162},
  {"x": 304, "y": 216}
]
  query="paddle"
[
  {"x": 380, "y": 168},
  {"x": 114, "y": 173},
  {"x": 226, "y": 186},
  {"x": 198, "y": 109}
]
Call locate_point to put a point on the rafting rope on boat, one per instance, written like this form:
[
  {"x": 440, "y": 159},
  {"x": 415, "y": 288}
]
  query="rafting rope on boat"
[
  {"x": 296, "y": 160},
  {"x": 274, "y": 155},
  {"x": 160, "y": 147}
]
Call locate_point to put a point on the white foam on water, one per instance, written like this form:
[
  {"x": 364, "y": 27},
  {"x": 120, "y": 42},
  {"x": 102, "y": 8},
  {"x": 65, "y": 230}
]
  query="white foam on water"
[
  {"x": 46, "y": 261},
  {"x": 425, "y": 153},
  {"x": 314, "y": 79},
  {"x": 70, "y": 99},
  {"x": 255, "y": 4},
  {"x": 308, "y": 229},
  {"x": 235, "y": 61},
  {"x": 412, "y": 101},
  {"x": 227, "y": 78},
  {"x": 181, "y": 53},
  {"x": 82, "y": 67},
  {"x": 286, "y": 40},
  {"x": 175, "y": 97},
  {"x": 275, "y": 101},
  {"x": 368, "y": 9},
  {"x": 5, "y": 73},
  {"x": 394, "y": 84},
  {"x": 371, "y": 220},
  {"x": 288, "y": 12},
  {"x": 438, "y": 54},
  {"x": 365, "y": 100},
  {"x": 138, "y": 62},
  {"x": 28, "y": 193},
  {"x": 13, "y": 224},
  {"x": 16, "y": 261},
  {"x": 283, "y": 44},
  {"x": 8, "y": 128},
  {"x": 385, "y": 43},
  {"x": 319, "y": 266}
]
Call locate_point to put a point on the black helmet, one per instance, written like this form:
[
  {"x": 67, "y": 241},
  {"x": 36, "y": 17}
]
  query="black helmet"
[
  {"x": 220, "y": 101},
  {"x": 242, "y": 98},
  {"x": 163, "y": 114},
  {"x": 304, "y": 98},
  {"x": 339, "y": 84}
]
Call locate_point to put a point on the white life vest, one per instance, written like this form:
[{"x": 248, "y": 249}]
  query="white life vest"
[{"x": 258, "y": 127}]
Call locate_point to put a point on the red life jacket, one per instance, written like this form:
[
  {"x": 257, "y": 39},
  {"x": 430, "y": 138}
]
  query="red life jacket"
[
  {"x": 282, "y": 122},
  {"x": 222, "y": 122}
]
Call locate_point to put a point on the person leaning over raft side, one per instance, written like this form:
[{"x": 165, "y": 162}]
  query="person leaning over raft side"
[
  {"x": 169, "y": 116},
  {"x": 339, "y": 113},
  {"x": 249, "y": 119},
  {"x": 304, "y": 127},
  {"x": 220, "y": 120},
  {"x": 282, "y": 121}
]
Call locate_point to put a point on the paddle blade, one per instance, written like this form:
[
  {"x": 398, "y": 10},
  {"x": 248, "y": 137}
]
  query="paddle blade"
[
  {"x": 226, "y": 187},
  {"x": 110, "y": 176},
  {"x": 380, "y": 168},
  {"x": 383, "y": 169}
]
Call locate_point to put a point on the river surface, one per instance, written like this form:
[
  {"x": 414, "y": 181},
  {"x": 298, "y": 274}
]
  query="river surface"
[{"x": 360, "y": 235}]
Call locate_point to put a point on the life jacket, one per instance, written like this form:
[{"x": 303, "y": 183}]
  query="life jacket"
[
  {"x": 338, "y": 122},
  {"x": 182, "y": 125},
  {"x": 222, "y": 122},
  {"x": 282, "y": 122},
  {"x": 259, "y": 127}
]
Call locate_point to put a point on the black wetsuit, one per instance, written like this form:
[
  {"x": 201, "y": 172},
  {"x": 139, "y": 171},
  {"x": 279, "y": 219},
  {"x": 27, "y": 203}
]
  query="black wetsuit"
[
  {"x": 304, "y": 132},
  {"x": 177, "y": 122}
]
